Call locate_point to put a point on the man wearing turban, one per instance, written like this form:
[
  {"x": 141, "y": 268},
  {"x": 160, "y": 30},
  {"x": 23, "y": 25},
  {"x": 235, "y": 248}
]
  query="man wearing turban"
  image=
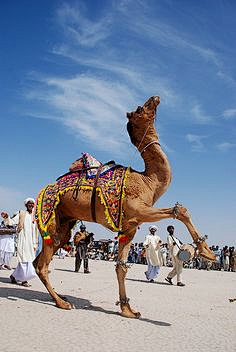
[
  {"x": 27, "y": 241},
  {"x": 152, "y": 245}
]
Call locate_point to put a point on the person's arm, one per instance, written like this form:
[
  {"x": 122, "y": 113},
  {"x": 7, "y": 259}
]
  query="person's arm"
[
  {"x": 35, "y": 237},
  {"x": 159, "y": 243},
  {"x": 10, "y": 221},
  {"x": 146, "y": 242}
]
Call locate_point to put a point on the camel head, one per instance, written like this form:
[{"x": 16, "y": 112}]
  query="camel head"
[
  {"x": 205, "y": 251},
  {"x": 141, "y": 123}
]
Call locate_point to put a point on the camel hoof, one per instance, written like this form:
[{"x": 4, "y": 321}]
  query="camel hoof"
[
  {"x": 135, "y": 315},
  {"x": 129, "y": 313},
  {"x": 64, "y": 305}
]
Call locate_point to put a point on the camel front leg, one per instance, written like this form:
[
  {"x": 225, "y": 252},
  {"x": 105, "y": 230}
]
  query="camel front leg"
[
  {"x": 121, "y": 271},
  {"x": 149, "y": 214},
  {"x": 41, "y": 264},
  {"x": 44, "y": 258}
]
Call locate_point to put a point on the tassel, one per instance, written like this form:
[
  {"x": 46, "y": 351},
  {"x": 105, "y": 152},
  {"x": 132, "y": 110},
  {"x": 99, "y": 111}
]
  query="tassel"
[{"x": 47, "y": 238}]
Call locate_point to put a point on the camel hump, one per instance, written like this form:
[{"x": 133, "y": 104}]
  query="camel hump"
[{"x": 85, "y": 162}]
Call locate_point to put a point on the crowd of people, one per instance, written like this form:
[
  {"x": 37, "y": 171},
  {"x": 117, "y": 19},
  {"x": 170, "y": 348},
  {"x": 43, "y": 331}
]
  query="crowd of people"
[
  {"x": 153, "y": 252},
  {"x": 108, "y": 250}
]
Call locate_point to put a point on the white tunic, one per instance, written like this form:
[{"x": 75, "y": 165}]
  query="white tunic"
[
  {"x": 7, "y": 248},
  {"x": 7, "y": 243},
  {"x": 173, "y": 245},
  {"x": 26, "y": 238},
  {"x": 152, "y": 251}
]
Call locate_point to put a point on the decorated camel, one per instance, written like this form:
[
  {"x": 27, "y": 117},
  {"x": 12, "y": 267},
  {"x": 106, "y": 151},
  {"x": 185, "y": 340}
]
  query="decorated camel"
[{"x": 119, "y": 198}]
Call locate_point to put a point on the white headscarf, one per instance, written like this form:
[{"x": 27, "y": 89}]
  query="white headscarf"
[
  {"x": 153, "y": 228},
  {"x": 29, "y": 200}
]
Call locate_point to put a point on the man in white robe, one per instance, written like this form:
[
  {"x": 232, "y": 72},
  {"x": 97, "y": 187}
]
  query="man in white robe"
[
  {"x": 7, "y": 248},
  {"x": 174, "y": 245},
  {"x": 26, "y": 244},
  {"x": 152, "y": 246}
]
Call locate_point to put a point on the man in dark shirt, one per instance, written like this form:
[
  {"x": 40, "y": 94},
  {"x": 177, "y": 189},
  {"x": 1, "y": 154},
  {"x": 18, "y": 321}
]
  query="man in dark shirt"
[{"x": 81, "y": 240}]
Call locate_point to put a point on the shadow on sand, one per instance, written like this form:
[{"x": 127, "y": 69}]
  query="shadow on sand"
[
  {"x": 15, "y": 292},
  {"x": 66, "y": 270},
  {"x": 150, "y": 283}
]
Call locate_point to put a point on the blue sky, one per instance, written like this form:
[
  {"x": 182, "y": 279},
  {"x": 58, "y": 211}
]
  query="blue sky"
[{"x": 71, "y": 70}]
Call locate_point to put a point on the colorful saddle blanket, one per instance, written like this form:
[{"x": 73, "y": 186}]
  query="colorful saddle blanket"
[
  {"x": 91, "y": 164},
  {"x": 110, "y": 186}
]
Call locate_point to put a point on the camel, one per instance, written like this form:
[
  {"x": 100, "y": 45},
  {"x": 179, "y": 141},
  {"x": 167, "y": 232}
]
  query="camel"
[{"x": 141, "y": 192}]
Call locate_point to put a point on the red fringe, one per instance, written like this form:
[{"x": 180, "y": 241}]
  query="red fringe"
[
  {"x": 123, "y": 239},
  {"x": 48, "y": 241}
]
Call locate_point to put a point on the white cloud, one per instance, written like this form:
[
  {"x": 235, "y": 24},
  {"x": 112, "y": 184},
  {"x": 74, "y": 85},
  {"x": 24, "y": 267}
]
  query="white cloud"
[
  {"x": 229, "y": 114},
  {"x": 225, "y": 146},
  {"x": 166, "y": 35},
  {"x": 80, "y": 29},
  {"x": 196, "y": 142},
  {"x": 226, "y": 78},
  {"x": 93, "y": 105},
  {"x": 93, "y": 109},
  {"x": 199, "y": 116}
]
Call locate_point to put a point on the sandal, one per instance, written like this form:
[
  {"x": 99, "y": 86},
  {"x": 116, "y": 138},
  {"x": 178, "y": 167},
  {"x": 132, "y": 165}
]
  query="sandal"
[{"x": 25, "y": 284}]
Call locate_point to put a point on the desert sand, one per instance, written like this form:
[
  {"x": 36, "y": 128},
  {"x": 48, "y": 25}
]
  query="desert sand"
[{"x": 197, "y": 317}]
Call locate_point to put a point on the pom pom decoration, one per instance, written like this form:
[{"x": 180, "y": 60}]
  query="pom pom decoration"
[
  {"x": 123, "y": 238},
  {"x": 47, "y": 238}
]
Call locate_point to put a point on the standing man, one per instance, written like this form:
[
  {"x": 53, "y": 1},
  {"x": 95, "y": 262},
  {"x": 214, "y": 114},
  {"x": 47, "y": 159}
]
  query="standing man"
[
  {"x": 152, "y": 246},
  {"x": 174, "y": 245},
  {"x": 26, "y": 244},
  {"x": 81, "y": 240},
  {"x": 7, "y": 249}
]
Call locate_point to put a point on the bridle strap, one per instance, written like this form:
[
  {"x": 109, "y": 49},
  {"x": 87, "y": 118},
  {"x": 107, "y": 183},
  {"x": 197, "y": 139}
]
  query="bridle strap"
[{"x": 148, "y": 145}]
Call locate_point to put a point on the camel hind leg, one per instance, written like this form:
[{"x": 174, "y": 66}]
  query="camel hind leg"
[
  {"x": 121, "y": 271},
  {"x": 41, "y": 264}
]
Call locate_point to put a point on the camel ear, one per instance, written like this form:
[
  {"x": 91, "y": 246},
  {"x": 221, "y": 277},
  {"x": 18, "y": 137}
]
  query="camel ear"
[
  {"x": 139, "y": 109},
  {"x": 129, "y": 114}
]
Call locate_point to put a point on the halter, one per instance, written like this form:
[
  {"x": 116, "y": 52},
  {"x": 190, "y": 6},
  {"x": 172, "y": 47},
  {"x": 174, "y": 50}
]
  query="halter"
[{"x": 148, "y": 145}]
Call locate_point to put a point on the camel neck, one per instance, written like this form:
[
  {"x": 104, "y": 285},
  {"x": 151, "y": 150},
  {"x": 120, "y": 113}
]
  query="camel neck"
[{"x": 157, "y": 167}]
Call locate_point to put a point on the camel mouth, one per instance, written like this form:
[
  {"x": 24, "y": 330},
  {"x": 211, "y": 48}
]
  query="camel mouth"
[
  {"x": 210, "y": 256},
  {"x": 152, "y": 103},
  {"x": 206, "y": 252}
]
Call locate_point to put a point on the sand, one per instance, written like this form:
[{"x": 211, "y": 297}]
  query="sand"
[{"x": 197, "y": 317}]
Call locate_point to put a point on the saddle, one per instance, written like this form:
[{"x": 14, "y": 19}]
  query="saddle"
[
  {"x": 107, "y": 181},
  {"x": 91, "y": 165}
]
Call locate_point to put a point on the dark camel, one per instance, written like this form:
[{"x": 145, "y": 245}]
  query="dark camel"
[{"x": 142, "y": 191}]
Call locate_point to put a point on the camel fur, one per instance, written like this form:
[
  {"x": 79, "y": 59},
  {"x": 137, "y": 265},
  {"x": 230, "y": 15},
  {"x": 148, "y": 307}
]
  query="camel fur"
[{"x": 141, "y": 192}]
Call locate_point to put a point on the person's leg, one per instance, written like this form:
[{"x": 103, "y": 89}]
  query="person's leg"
[
  {"x": 77, "y": 262},
  {"x": 86, "y": 269},
  {"x": 153, "y": 273},
  {"x": 148, "y": 272},
  {"x": 173, "y": 272},
  {"x": 8, "y": 257},
  {"x": 179, "y": 269}
]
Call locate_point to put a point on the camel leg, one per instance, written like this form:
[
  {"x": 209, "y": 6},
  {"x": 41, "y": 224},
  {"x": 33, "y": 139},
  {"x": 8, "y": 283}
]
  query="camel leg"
[
  {"x": 149, "y": 214},
  {"x": 42, "y": 262},
  {"x": 121, "y": 271}
]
